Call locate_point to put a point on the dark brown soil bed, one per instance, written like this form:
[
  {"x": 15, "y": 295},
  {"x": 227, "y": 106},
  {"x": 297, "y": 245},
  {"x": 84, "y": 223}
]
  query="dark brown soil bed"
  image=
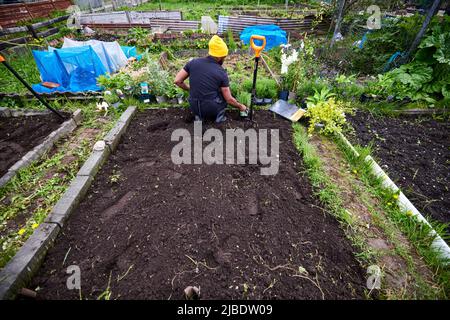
[
  {"x": 18, "y": 135},
  {"x": 155, "y": 227},
  {"x": 414, "y": 151}
]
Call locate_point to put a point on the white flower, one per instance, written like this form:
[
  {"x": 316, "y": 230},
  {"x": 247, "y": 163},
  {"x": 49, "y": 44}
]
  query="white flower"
[
  {"x": 286, "y": 60},
  {"x": 102, "y": 106}
]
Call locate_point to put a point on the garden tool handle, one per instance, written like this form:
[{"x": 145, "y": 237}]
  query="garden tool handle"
[
  {"x": 2, "y": 59},
  {"x": 256, "y": 48}
]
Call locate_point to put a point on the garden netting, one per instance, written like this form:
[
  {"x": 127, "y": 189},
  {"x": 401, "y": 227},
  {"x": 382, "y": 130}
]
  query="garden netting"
[
  {"x": 76, "y": 66},
  {"x": 110, "y": 53}
]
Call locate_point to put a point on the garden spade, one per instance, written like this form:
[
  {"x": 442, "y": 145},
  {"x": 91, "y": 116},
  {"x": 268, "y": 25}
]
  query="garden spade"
[
  {"x": 287, "y": 110},
  {"x": 6, "y": 64},
  {"x": 257, "y": 49}
]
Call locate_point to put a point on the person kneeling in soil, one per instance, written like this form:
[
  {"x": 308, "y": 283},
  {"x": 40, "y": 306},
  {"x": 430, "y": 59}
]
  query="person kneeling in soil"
[{"x": 209, "y": 87}]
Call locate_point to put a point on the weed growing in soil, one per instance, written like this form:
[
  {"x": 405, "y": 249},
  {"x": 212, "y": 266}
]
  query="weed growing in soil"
[
  {"x": 24, "y": 65},
  {"x": 356, "y": 229},
  {"x": 29, "y": 197},
  {"x": 328, "y": 193},
  {"x": 417, "y": 232}
]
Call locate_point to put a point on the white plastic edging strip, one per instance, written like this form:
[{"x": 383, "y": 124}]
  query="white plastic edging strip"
[{"x": 438, "y": 244}]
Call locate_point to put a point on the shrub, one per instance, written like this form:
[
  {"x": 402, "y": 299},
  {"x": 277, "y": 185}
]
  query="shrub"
[
  {"x": 244, "y": 97},
  {"x": 329, "y": 113},
  {"x": 308, "y": 87},
  {"x": 266, "y": 88},
  {"x": 116, "y": 81},
  {"x": 230, "y": 39},
  {"x": 427, "y": 76}
]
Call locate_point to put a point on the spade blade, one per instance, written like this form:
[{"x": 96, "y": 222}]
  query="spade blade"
[{"x": 287, "y": 110}]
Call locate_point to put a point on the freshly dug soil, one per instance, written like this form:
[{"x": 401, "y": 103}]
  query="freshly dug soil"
[
  {"x": 18, "y": 135},
  {"x": 414, "y": 151},
  {"x": 153, "y": 228}
]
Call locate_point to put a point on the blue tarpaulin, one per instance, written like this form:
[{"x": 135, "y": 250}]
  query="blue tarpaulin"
[
  {"x": 129, "y": 51},
  {"x": 274, "y": 35},
  {"x": 75, "y": 69}
]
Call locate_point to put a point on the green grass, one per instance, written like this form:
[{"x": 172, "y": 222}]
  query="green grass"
[
  {"x": 25, "y": 66},
  {"x": 38, "y": 187},
  {"x": 328, "y": 194},
  {"x": 418, "y": 233}
]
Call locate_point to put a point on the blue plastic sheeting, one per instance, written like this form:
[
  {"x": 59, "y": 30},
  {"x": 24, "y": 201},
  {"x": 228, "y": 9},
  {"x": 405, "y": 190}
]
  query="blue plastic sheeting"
[
  {"x": 129, "y": 51},
  {"x": 392, "y": 60},
  {"x": 110, "y": 53},
  {"x": 75, "y": 69},
  {"x": 274, "y": 35}
]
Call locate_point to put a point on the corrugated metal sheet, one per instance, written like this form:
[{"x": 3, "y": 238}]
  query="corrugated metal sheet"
[
  {"x": 237, "y": 24},
  {"x": 175, "y": 25},
  {"x": 146, "y": 16},
  {"x": 146, "y": 19},
  {"x": 130, "y": 17},
  {"x": 104, "y": 18},
  {"x": 171, "y": 25}
]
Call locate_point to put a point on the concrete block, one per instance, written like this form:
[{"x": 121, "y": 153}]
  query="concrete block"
[
  {"x": 77, "y": 116},
  {"x": 7, "y": 177},
  {"x": 19, "y": 271},
  {"x": 127, "y": 115},
  {"x": 5, "y": 112},
  {"x": 94, "y": 162},
  {"x": 70, "y": 200},
  {"x": 112, "y": 138}
]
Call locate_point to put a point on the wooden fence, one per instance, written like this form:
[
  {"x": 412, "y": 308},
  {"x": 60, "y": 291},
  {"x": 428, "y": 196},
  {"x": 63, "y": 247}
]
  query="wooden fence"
[
  {"x": 10, "y": 14},
  {"x": 167, "y": 20},
  {"x": 32, "y": 30}
]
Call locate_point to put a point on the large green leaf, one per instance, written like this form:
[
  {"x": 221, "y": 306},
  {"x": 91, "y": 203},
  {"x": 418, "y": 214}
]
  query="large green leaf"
[
  {"x": 446, "y": 91},
  {"x": 443, "y": 49}
]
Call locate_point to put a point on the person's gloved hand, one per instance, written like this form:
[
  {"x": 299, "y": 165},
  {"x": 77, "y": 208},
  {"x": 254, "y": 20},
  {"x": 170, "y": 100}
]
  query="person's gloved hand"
[{"x": 245, "y": 113}]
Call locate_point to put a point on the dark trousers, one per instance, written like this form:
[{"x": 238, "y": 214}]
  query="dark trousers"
[{"x": 208, "y": 109}]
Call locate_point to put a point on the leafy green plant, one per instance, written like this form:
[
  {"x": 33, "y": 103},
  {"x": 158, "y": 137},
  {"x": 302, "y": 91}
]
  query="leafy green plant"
[
  {"x": 343, "y": 79},
  {"x": 25, "y": 65},
  {"x": 118, "y": 80},
  {"x": 407, "y": 81},
  {"x": 320, "y": 96},
  {"x": 330, "y": 114},
  {"x": 234, "y": 87},
  {"x": 230, "y": 39},
  {"x": 244, "y": 97},
  {"x": 247, "y": 85},
  {"x": 188, "y": 33},
  {"x": 139, "y": 36},
  {"x": 346, "y": 86},
  {"x": 308, "y": 87},
  {"x": 426, "y": 78},
  {"x": 266, "y": 88},
  {"x": 396, "y": 35}
]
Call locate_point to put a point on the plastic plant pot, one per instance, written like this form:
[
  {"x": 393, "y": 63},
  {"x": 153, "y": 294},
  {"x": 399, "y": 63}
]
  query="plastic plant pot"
[
  {"x": 259, "y": 101},
  {"x": 267, "y": 101},
  {"x": 161, "y": 99},
  {"x": 284, "y": 95}
]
